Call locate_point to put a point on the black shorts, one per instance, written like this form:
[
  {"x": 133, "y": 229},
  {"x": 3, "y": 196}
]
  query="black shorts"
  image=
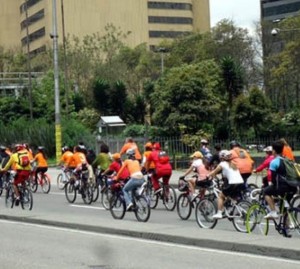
[
  {"x": 233, "y": 190},
  {"x": 203, "y": 183},
  {"x": 282, "y": 189}
]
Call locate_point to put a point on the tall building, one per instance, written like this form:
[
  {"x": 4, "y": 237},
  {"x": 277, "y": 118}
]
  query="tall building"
[{"x": 148, "y": 21}]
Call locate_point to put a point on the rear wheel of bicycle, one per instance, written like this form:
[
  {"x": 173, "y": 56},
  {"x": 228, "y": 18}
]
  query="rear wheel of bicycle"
[
  {"x": 9, "y": 197},
  {"x": 33, "y": 184},
  {"x": 45, "y": 183},
  {"x": 240, "y": 215},
  {"x": 295, "y": 204},
  {"x": 96, "y": 192},
  {"x": 60, "y": 181},
  {"x": 105, "y": 198},
  {"x": 26, "y": 199},
  {"x": 153, "y": 198},
  {"x": 70, "y": 192},
  {"x": 255, "y": 220},
  {"x": 169, "y": 197},
  {"x": 142, "y": 209},
  {"x": 205, "y": 209},
  {"x": 117, "y": 207},
  {"x": 184, "y": 207},
  {"x": 87, "y": 194}
]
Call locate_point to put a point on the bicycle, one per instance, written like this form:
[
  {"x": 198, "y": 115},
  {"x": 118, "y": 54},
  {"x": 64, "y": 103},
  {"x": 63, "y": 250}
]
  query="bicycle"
[
  {"x": 5, "y": 182},
  {"x": 141, "y": 207},
  {"x": 166, "y": 193},
  {"x": 235, "y": 210},
  {"x": 26, "y": 198},
  {"x": 42, "y": 179},
  {"x": 63, "y": 178},
  {"x": 289, "y": 217},
  {"x": 79, "y": 183},
  {"x": 185, "y": 202}
]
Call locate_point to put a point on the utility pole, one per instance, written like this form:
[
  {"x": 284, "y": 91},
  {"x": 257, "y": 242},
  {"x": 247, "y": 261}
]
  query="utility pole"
[{"x": 54, "y": 36}]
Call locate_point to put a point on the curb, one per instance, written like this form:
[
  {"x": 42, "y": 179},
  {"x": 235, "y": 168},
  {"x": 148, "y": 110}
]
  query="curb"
[{"x": 197, "y": 242}]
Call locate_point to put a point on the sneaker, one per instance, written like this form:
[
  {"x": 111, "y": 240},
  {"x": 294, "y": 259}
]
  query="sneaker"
[
  {"x": 158, "y": 191},
  {"x": 217, "y": 216},
  {"x": 129, "y": 206},
  {"x": 272, "y": 215}
]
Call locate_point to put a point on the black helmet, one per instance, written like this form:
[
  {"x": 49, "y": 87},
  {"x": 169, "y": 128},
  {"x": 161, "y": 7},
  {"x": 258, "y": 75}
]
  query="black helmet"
[
  {"x": 64, "y": 148},
  {"x": 234, "y": 143}
]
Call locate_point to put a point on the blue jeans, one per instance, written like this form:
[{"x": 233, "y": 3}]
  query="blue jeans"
[{"x": 133, "y": 183}]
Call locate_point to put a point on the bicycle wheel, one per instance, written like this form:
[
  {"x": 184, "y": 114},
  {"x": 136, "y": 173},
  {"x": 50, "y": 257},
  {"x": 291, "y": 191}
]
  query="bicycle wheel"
[
  {"x": 26, "y": 199},
  {"x": 205, "y": 209},
  {"x": 255, "y": 221},
  {"x": 105, "y": 198},
  {"x": 87, "y": 193},
  {"x": 239, "y": 216},
  {"x": 142, "y": 208},
  {"x": 295, "y": 214},
  {"x": 33, "y": 184},
  {"x": 152, "y": 198},
  {"x": 169, "y": 197},
  {"x": 9, "y": 197},
  {"x": 184, "y": 206},
  {"x": 70, "y": 192},
  {"x": 96, "y": 192},
  {"x": 60, "y": 181},
  {"x": 45, "y": 183},
  {"x": 117, "y": 206}
]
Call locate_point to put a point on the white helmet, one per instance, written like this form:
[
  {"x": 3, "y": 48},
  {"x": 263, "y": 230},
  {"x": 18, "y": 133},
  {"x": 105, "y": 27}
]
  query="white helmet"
[
  {"x": 225, "y": 154},
  {"x": 130, "y": 152}
]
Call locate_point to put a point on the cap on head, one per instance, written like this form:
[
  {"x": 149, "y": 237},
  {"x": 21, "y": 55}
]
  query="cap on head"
[
  {"x": 148, "y": 145},
  {"x": 19, "y": 147},
  {"x": 116, "y": 156},
  {"x": 197, "y": 154},
  {"x": 225, "y": 154}
]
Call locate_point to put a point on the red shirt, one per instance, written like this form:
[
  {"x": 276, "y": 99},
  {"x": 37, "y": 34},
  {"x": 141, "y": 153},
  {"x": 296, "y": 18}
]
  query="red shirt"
[
  {"x": 115, "y": 166},
  {"x": 160, "y": 167}
]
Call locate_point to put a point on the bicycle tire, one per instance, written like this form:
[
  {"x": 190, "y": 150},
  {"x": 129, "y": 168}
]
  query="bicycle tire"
[
  {"x": 9, "y": 197},
  {"x": 295, "y": 207},
  {"x": 142, "y": 208},
  {"x": 70, "y": 192},
  {"x": 255, "y": 220},
  {"x": 33, "y": 184},
  {"x": 105, "y": 198},
  {"x": 239, "y": 223},
  {"x": 184, "y": 206},
  {"x": 87, "y": 194},
  {"x": 169, "y": 197},
  {"x": 117, "y": 206},
  {"x": 205, "y": 209},
  {"x": 60, "y": 181},
  {"x": 26, "y": 199},
  {"x": 45, "y": 183},
  {"x": 152, "y": 198},
  {"x": 96, "y": 192}
]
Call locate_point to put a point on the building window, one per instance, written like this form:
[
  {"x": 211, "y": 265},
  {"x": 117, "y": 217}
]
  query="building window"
[
  {"x": 33, "y": 36},
  {"x": 170, "y": 20},
  {"x": 38, "y": 50},
  {"x": 29, "y": 4},
  {"x": 32, "y": 19},
  {"x": 168, "y": 5},
  {"x": 167, "y": 34},
  {"x": 280, "y": 9}
]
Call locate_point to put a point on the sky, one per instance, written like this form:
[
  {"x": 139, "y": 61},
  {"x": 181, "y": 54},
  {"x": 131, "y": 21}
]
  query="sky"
[{"x": 243, "y": 12}]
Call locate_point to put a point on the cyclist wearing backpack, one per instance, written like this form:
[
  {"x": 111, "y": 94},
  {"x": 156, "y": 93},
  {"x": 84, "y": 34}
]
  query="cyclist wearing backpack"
[
  {"x": 19, "y": 162},
  {"x": 41, "y": 159},
  {"x": 279, "y": 185},
  {"x": 163, "y": 168}
]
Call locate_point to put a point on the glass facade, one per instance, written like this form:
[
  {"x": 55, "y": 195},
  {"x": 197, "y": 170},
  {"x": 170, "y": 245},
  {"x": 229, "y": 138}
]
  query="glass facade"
[
  {"x": 32, "y": 19},
  {"x": 169, "y": 5},
  {"x": 170, "y": 20}
]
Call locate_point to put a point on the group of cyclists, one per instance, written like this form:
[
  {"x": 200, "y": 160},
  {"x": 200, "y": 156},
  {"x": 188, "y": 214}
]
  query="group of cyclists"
[{"x": 235, "y": 165}]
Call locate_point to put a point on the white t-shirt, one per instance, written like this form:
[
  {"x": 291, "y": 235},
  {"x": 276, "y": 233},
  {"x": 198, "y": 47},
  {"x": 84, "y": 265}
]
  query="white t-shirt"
[{"x": 233, "y": 176}]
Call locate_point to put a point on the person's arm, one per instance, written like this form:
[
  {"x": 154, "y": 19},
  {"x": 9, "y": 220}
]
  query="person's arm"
[
  {"x": 214, "y": 172},
  {"x": 9, "y": 163},
  {"x": 188, "y": 171}
]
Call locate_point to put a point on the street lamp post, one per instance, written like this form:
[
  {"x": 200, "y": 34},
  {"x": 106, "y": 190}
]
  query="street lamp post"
[
  {"x": 54, "y": 36},
  {"x": 162, "y": 51}
]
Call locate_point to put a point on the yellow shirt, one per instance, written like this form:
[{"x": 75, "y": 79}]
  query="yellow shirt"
[{"x": 13, "y": 162}]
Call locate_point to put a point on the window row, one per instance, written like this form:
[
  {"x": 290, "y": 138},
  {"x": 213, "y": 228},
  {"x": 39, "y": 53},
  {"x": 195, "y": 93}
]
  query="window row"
[
  {"x": 170, "y": 20},
  {"x": 169, "y": 5},
  {"x": 38, "y": 50},
  {"x": 32, "y": 19},
  {"x": 28, "y": 3},
  {"x": 281, "y": 9},
  {"x": 167, "y": 34},
  {"x": 33, "y": 36}
]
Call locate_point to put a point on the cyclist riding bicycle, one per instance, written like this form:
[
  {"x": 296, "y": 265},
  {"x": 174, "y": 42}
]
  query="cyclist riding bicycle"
[
  {"x": 278, "y": 186},
  {"x": 235, "y": 181},
  {"x": 41, "y": 159},
  {"x": 136, "y": 177},
  {"x": 19, "y": 162}
]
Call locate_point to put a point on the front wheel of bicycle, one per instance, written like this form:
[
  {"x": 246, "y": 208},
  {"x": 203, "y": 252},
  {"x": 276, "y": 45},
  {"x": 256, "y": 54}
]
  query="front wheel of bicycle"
[
  {"x": 9, "y": 197},
  {"x": 105, "y": 198},
  {"x": 153, "y": 198},
  {"x": 117, "y": 206},
  {"x": 205, "y": 209},
  {"x": 33, "y": 184},
  {"x": 169, "y": 197},
  {"x": 26, "y": 199},
  {"x": 240, "y": 215},
  {"x": 255, "y": 220},
  {"x": 70, "y": 192},
  {"x": 96, "y": 192},
  {"x": 87, "y": 193},
  {"x": 142, "y": 209},
  {"x": 295, "y": 204},
  {"x": 45, "y": 183},
  {"x": 184, "y": 206},
  {"x": 60, "y": 181}
]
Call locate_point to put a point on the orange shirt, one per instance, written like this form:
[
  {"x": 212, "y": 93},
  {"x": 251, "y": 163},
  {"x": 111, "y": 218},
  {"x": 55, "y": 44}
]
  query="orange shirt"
[
  {"x": 41, "y": 161},
  {"x": 131, "y": 145},
  {"x": 133, "y": 167},
  {"x": 288, "y": 153},
  {"x": 146, "y": 155},
  {"x": 78, "y": 158},
  {"x": 243, "y": 163},
  {"x": 66, "y": 157}
]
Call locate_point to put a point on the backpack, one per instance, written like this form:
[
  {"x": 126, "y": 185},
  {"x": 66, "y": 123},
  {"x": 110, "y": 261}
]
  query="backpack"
[
  {"x": 163, "y": 157},
  {"x": 23, "y": 159},
  {"x": 292, "y": 172}
]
